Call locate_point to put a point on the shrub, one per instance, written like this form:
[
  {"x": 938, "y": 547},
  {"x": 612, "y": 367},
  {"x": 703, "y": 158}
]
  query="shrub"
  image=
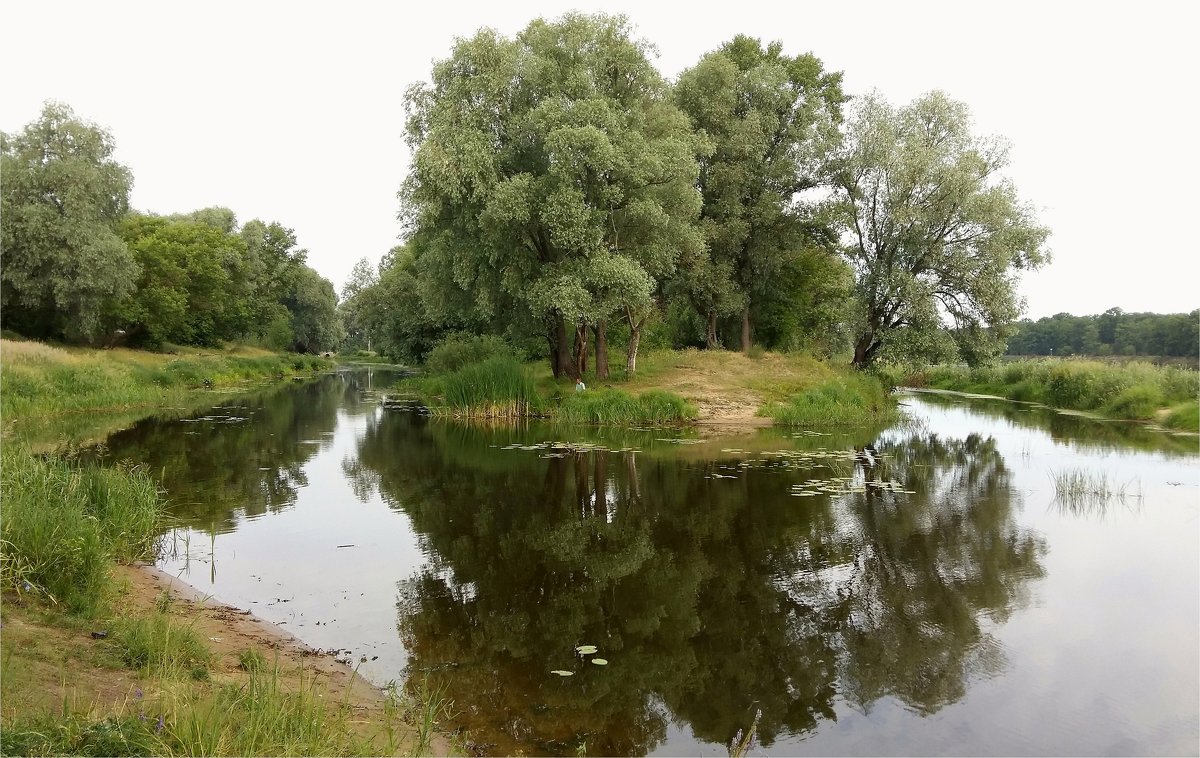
[
  {"x": 1137, "y": 402},
  {"x": 458, "y": 350},
  {"x": 1185, "y": 417}
]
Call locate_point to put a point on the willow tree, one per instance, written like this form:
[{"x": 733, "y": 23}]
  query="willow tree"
[
  {"x": 63, "y": 263},
  {"x": 552, "y": 175},
  {"x": 772, "y": 119},
  {"x": 934, "y": 233}
]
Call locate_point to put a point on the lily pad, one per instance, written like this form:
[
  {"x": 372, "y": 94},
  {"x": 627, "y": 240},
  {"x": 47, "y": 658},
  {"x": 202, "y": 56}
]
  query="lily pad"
[
  {"x": 600, "y": 661},
  {"x": 586, "y": 649},
  {"x": 560, "y": 672}
]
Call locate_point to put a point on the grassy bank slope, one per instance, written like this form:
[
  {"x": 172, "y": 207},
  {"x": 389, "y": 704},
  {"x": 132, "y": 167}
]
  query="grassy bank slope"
[
  {"x": 56, "y": 394},
  {"x": 1136, "y": 391}
]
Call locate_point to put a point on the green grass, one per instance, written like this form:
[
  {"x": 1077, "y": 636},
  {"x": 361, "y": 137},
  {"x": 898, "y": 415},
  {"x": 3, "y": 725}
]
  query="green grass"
[
  {"x": 64, "y": 523},
  {"x": 619, "y": 408},
  {"x": 1185, "y": 416},
  {"x": 160, "y": 645},
  {"x": 850, "y": 400},
  {"x": 1128, "y": 391},
  {"x": 39, "y": 379},
  {"x": 494, "y": 388}
]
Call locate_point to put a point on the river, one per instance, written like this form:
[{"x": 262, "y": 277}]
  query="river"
[{"x": 919, "y": 589}]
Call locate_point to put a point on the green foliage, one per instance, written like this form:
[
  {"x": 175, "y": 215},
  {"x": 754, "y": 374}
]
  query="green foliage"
[
  {"x": 853, "y": 400},
  {"x": 570, "y": 194},
  {"x": 313, "y": 305},
  {"x": 929, "y": 227},
  {"x": 1128, "y": 390},
  {"x": 619, "y": 408},
  {"x": 1185, "y": 416},
  {"x": 161, "y": 646},
  {"x": 77, "y": 734},
  {"x": 64, "y": 523},
  {"x": 772, "y": 120},
  {"x": 252, "y": 660},
  {"x": 1113, "y": 332},
  {"x": 458, "y": 350},
  {"x": 62, "y": 263}
]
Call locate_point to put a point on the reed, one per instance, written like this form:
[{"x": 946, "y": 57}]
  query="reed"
[
  {"x": 1185, "y": 417},
  {"x": 619, "y": 408},
  {"x": 1084, "y": 491},
  {"x": 494, "y": 388},
  {"x": 851, "y": 400}
]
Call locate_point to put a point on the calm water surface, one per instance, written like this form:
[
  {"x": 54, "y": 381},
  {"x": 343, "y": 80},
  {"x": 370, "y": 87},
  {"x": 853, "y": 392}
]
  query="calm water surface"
[{"x": 912, "y": 590}]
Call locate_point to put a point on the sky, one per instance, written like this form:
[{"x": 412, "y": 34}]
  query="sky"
[{"x": 294, "y": 111}]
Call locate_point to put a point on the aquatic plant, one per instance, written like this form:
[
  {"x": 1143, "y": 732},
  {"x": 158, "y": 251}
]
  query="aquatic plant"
[{"x": 1087, "y": 491}]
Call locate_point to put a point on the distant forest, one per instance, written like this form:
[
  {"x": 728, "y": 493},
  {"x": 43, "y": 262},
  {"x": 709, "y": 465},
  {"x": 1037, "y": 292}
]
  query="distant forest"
[{"x": 1113, "y": 332}]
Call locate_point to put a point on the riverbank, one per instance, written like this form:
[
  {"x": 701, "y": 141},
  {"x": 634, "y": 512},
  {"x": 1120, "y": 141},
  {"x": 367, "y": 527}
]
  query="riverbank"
[
  {"x": 717, "y": 388},
  {"x": 69, "y": 395},
  {"x": 1166, "y": 395},
  {"x": 103, "y": 658}
]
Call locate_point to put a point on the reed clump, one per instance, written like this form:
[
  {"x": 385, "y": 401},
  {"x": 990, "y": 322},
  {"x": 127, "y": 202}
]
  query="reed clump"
[
  {"x": 619, "y": 408},
  {"x": 497, "y": 387},
  {"x": 1185, "y": 417},
  {"x": 851, "y": 400}
]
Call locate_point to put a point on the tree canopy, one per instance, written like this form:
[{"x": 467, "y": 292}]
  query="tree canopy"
[
  {"x": 932, "y": 229},
  {"x": 63, "y": 195}
]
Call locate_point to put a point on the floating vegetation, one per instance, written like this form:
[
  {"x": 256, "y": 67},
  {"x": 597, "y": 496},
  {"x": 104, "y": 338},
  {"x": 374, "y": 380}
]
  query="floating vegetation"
[
  {"x": 561, "y": 672},
  {"x": 674, "y": 441},
  {"x": 600, "y": 661},
  {"x": 586, "y": 649},
  {"x": 556, "y": 449}
]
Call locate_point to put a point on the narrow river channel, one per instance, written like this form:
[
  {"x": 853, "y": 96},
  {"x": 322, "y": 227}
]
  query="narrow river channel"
[{"x": 912, "y": 590}]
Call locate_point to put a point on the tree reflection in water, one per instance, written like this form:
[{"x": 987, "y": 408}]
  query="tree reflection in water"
[{"x": 711, "y": 597}]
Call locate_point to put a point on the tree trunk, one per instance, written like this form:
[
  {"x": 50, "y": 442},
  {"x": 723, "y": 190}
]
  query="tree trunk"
[
  {"x": 600, "y": 333},
  {"x": 746, "y": 329},
  {"x": 635, "y": 335},
  {"x": 865, "y": 350},
  {"x": 563, "y": 363},
  {"x": 710, "y": 334},
  {"x": 580, "y": 349}
]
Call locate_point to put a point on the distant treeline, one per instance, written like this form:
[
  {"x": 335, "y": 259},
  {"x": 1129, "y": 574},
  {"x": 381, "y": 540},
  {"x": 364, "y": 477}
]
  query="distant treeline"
[
  {"x": 1113, "y": 332},
  {"x": 80, "y": 266}
]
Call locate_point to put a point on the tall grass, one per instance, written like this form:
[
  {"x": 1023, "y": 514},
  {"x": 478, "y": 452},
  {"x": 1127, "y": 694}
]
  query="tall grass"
[
  {"x": 495, "y": 388},
  {"x": 617, "y": 408},
  {"x": 1130, "y": 390},
  {"x": 851, "y": 400},
  {"x": 64, "y": 523},
  {"x": 1185, "y": 416}
]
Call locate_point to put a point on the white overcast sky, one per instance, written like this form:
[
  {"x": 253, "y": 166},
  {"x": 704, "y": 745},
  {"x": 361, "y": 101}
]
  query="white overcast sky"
[{"x": 294, "y": 112}]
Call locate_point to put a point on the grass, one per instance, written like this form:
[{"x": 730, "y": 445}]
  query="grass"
[
  {"x": 614, "y": 407},
  {"x": 162, "y": 646},
  {"x": 1185, "y": 417},
  {"x": 41, "y": 379},
  {"x": 64, "y": 523},
  {"x": 851, "y": 400},
  {"x": 1135, "y": 391}
]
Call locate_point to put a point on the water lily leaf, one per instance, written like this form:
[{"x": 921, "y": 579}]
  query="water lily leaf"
[
  {"x": 560, "y": 672},
  {"x": 600, "y": 661},
  {"x": 586, "y": 649}
]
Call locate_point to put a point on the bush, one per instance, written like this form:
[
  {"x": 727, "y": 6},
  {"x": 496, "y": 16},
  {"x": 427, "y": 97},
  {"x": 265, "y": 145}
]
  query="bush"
[
  {"x": 458, "y": 350},
  {"x": 1185, "y": 417},
  {"x": 1137, "y": 402}
]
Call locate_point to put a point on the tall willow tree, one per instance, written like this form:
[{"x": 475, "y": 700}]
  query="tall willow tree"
[
  {"x": 933, "y": 231},
  {"x": 773, "y": 120},
  {"x": 63, "y": 262},
  {"x": 553, "y": 176}
]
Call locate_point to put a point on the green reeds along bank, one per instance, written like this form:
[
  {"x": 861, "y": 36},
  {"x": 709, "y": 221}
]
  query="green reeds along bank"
[
  {"x": 852, "y": 400},
  {"x": 1135, "y": 391},
  {"x": 160, "y": 645},
  {"x": 494, "y": 388},
  {"x": 616, "y": 407},
  {"x": 1184, "y": 417},
  {"x": 64, "y": 523}
]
